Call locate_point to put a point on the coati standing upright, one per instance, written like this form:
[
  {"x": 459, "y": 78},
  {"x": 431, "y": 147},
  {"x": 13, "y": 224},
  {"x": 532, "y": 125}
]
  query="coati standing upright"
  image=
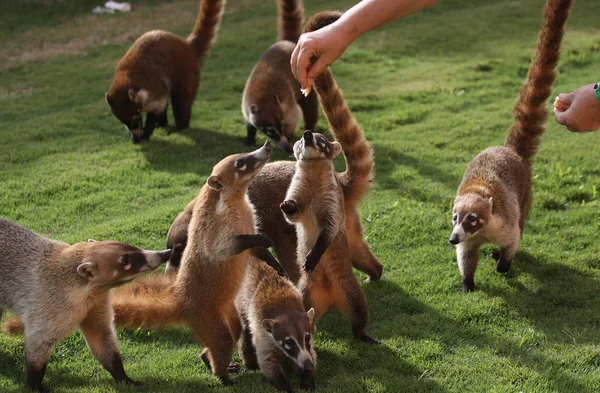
[
  {"x": 56, "y": 288},
  {"x": 494, "y": 197},
  {"x": 275, "y": 325},
  {"x": 272, "y": 95},
  {"x": 202, "y": 295},
  {"x": 158, "y": 66},
  {"x": 268, "y": 189},
  {"x": 315, "y": 204}
]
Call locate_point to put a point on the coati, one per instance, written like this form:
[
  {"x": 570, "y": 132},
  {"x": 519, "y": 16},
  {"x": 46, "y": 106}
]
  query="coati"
[
  {"x": 202, "y": 295},
  {"x": 275, "y": 325},
  {"x": 177, "y": 237},
  {"x": 494, "y": 197},
  {"x": 158, "y": 66},
  {"x": 268, "y": 189},
  {"x": 56, "y": 288},
  {"x": 272, "y": 95},
  {"x": 315, "y": 204}
]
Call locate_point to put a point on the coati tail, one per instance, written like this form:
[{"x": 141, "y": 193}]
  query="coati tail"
[
  {"x": 13, "y": 326},
  {"x": 206, "y": 27},
  {"x": 530, "y": 110},
  {"x": 290, "y": 17},
  {"x": 147, "y": 304},
  {"x": 357, "y": 178}
]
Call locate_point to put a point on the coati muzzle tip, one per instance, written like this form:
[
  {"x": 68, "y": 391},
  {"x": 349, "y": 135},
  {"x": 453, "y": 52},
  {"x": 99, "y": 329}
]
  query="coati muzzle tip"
[{"x": 454, "y": 239}]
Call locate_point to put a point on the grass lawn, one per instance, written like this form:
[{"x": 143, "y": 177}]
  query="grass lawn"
[{"x": 430, "y": 91}]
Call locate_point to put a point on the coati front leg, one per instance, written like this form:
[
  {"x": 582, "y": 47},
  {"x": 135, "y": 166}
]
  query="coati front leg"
[
  {"x": 182, "y": 101},
  {"x": 219, "y": 343},
  {"x": 242, "y": 243},
  {"x": 314, "y": 255},
  {"x": 353, "y": 303},
  {"x": 264, "y": 255},
  {"x": 38, "y": 346},
  {"x": 307, "y": 378},
  {"x": 467, "y": 255},
  {"x": 271, "y": 368},
  {"x": 310, "y": 110},
  {"x": 246, "y": 348},
  {"x": 251, "y": 137},
  {"x": 504, "y": 257},
  {"x": 149, "y": 127},
  {"x": 101, "y": 338},
  {"x": 161, "y": 119}
]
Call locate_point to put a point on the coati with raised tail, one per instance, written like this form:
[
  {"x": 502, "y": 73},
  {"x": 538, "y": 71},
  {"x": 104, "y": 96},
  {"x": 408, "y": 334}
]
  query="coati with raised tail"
[
  {"x": 272, "y": 101},
  {"x": 314, "y": 203},
  {"x": 275, "y": 325},
  {"x": 494, "y": 197},
  {"x": 202, "y": 295},
  {"x": 160, "y": 66},
  {"x": 268, "y": 189},
  {"x": 56, "y": 288}
]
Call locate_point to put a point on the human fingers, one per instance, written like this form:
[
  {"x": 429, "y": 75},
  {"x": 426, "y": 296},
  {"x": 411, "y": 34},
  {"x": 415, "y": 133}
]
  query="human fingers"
[
  {"x": 561, "y": 116},
  {"x": 566, "y": 98},
  {"x": 294, "y": 60}
]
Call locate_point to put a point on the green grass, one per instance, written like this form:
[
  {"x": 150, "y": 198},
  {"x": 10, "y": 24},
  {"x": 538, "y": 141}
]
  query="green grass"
[{"x": 431, "y": 91}]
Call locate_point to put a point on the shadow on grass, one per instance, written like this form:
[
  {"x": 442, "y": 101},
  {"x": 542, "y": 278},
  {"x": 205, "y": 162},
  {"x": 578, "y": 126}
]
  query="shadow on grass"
[{"x": 13, "y": 365}]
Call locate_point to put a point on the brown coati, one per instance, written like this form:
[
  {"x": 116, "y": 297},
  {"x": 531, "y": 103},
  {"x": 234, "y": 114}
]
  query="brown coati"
[
  {"x": 275, "y": 325},
  {"x": 494, "y": 197},
  {"x": 202, "y": 295},
  {"x": 56, "y": 288},
  {"x": 268, "y": 189},
  {"x": 160, "y": 66},
  {"x": 177, "y": 237},
  {"x": 271, "y": 101},
  {"x": 315, "y": 204}
]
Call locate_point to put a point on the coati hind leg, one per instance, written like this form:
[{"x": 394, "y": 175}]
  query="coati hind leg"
[
  {"x": 310, "y": 110},
  {"x": 467, "y": 255},
  {"x": 246, "y": 349},
  {"x": 251, "y": 136},
  {"x": 38, "y": 346},
  {"x": 162, "y": 119},
  {"x": 101, "y": 338},
  {"x": 181, "y": 101},
  {"x": 352, "y": 302},
  {"x": 505, "y": 257}
]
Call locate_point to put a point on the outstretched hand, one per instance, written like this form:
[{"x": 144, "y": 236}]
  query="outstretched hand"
[{"x": 579, "y": 110}]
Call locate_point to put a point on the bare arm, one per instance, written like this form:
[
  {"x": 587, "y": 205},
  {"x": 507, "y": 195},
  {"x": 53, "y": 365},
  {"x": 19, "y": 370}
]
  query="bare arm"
[{"x": 328, "y": 43}]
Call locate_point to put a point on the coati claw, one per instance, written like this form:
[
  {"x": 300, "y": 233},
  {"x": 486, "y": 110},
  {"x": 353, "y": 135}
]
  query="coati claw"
[{"x": 289, "y": 207}]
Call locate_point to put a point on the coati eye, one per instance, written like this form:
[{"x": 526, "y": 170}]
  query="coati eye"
[
  {"x": 455, "y": 217},
  {"x": 125, "y": 260},
  {"x": 289, "y": 342},
  {"x": 472, "y": 218},
  {"x": 238, "y": 164}
]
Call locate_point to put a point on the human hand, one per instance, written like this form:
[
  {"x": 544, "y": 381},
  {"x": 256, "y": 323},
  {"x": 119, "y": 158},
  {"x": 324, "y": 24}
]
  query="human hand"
[
  {"x": 579, "y": 110},
  {"x": 316, "y": 50}
]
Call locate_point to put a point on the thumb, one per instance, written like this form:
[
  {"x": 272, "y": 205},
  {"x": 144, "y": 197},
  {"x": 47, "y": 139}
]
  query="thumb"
[
  {"x": 317, "y": 68},
  {"x": 561, "y": 117}
]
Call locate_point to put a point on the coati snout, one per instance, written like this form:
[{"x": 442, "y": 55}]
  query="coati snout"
[
  {"x": 270, "y": 121},
  {"x": 292, "y": 334},
  {"x": 238, "y": 170},
  {"x": 314, "y": 146},
  {"x": 129, "y": 112},
  {"x": 469, "y": 216},
  {"x": 111, "y": 262}
]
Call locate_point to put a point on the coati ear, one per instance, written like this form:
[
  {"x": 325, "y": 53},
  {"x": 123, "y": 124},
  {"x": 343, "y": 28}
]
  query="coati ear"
[
  {"x": 87, "y": 270},
  {"x": 132, "y": 95},
  {"x": 268, "y": 324},
  {"x": 91, "y": 241},
  {"x": 214, "y": 182},
  {"x": 337, "y": 149},
  {"x": 278, "y": 99},
  {"x": 491, "y": 204},
  {"x": 140, "y": 98},
  {"x": 107, "y": 98},
  {"x": 253, "y": 109},
  {"x": 310, "y": 314}
]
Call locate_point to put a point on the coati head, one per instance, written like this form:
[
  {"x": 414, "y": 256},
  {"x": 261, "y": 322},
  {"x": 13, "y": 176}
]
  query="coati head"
[
  {"x": 277, "y": 117},
  {"x": 291, "y": 332},
  {"x": 471, "y": 213},
  {"x": 127, "y": 105},
  {"x": 233, "y": 174},
  {"x": 314, "y": 146},
  {"x": 111, "y": 263}
]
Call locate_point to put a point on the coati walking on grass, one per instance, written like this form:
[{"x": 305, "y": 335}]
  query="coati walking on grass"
[
  {"x": 275, "y": 325},
  {"x": 202, "y": 295},
  {"x": 315, "y": 204},
  {"x": 272, "y": 100},
  {"x": 268, "y": 189},
  {"x": 494, "y": 197},
  {"x": 56, "y": 288},
  {"x": 160, "y": 66}
]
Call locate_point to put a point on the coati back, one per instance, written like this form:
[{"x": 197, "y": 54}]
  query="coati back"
[
  {"x": 268, "y": 189},
  {"x": 271, "y": 101},
  {"x": 315, "y": 204},
  {"x": 494, "y": 197},
  {"x": 56, "y": 288},
  {"x": 160, "y": 66},
  {"x": 202, "y": 295},
  {"x": 275, "y": 325}
]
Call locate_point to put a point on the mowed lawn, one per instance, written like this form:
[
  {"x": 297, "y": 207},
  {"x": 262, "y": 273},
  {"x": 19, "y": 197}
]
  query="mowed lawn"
[{"x": 430, "y": 91}]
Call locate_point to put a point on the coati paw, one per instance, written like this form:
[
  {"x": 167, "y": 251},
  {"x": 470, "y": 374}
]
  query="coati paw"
[
  {"x": 365, "y": 338},
  {"x": 468, "y": 285},
  {"x": 263, "y": 241},
  {"x": 234, "y": 367},
  {"x": 495, "y": 254},
  {"x": 226, "y": 381},
  {"x": 289, "y": 207},
  {"x": 503, "y": 266}
]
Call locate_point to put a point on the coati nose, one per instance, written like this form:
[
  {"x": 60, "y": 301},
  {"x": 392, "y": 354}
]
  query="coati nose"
[
  {"x": 308, "y": 365},
  {"x": 165, "y": 255},
  {"x": 454, "y": 239},
  {"x": 267, "y": 145},
  {"x": 308, "y": 136}
]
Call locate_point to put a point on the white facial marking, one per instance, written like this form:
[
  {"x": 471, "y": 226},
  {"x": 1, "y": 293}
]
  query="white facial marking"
[
  {"x": 127, "y": 267},
  {"x": 115, "y": 273},
  {"x": 243, "y": 168},
  {"x": 236, "y": 175}
]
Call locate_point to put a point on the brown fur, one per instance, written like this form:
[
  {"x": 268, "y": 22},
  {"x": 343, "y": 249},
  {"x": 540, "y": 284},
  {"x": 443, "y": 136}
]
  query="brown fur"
[
  {"x": 271, "y": 311},
  {"x": 494, "y": 197},
  {"x": 212, "y": 269},
  {"x": 160, "y": 66},
  {"x": 177, "y": 237},
  {"x": 315, "y": 204},
  {"x": 56, "y": 288},
  {"x": 271, "y": 101}
]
